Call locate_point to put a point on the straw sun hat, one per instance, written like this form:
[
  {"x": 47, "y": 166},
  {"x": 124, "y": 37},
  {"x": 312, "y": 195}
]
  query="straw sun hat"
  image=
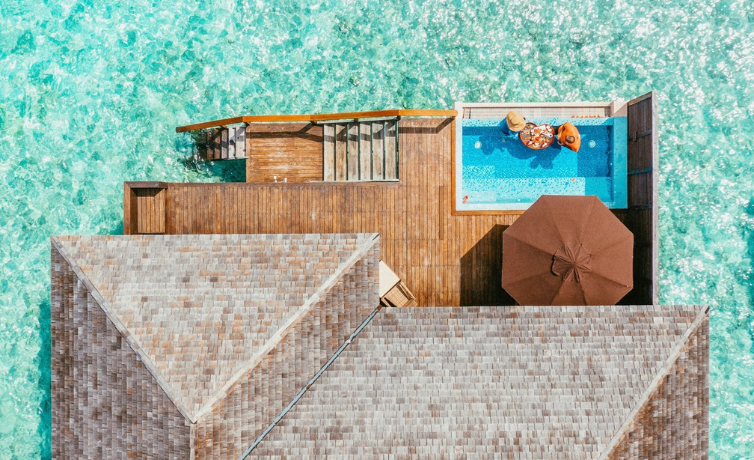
[{"x": 515, "y": 121}]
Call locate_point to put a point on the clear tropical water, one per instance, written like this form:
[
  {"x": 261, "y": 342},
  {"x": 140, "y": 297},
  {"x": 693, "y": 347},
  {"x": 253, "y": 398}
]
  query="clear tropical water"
[
  {"x": 90, "y": 93},
  {"x": 498, "y": 170}
]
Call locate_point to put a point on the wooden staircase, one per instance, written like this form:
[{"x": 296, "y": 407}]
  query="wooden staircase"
[
  {"x": 225, "y": 143},
  {"x": 361, "y": 150}
]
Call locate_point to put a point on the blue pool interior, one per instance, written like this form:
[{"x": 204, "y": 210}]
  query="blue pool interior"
[{"x": 499, "y": 173}]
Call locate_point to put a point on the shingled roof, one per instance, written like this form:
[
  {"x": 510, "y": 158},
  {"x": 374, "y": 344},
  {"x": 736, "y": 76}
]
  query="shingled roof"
[
  {"x": 510, "y": 382},
  {"x": 192, "y": 346},
  {"x": 200, "y": 310}
]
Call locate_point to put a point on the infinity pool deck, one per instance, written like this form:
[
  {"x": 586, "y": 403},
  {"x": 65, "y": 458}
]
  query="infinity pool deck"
[{"x": 444, "y": 257}]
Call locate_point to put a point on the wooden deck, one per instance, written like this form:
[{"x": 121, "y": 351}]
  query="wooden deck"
[
  {"x": 286, "y": 151},
  {"x": 444, "y": 259}
]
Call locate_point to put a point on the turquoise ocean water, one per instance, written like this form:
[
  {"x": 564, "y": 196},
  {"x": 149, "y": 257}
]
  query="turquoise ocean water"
[{"x": 90, "y": 94}]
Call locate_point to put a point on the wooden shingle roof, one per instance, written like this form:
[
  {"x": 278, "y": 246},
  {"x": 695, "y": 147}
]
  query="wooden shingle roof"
[
  {"x": 503, "y": 382},
  {"x": 202, "y": 309}
]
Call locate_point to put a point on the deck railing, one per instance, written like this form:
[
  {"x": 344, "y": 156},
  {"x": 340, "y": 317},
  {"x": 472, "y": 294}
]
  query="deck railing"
[{"x": 313, "y": 118}]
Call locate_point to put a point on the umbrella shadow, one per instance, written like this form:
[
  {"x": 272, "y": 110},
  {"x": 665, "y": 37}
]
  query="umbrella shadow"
[{"x": 482, "y": 269}]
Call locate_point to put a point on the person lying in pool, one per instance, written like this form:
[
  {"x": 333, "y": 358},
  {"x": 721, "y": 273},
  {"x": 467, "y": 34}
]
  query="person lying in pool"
[{"x": 569, "y": 137}]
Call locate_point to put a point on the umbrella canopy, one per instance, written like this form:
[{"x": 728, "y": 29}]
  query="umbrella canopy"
[{"x": 568, "y": 250}]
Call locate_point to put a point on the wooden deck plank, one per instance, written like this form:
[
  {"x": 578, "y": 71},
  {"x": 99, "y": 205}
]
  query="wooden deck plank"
[
  {"x": 365, "y": 151},
  {"x": 341, "y": 162},
  {"x": 378, "y": 147},
  {"x": 329, "y": 152},
  {"x": 231, "y": 143},
  {"x": 390, "y": 151},
  {"x": 223, "y": 144},
  {"x": 353, "y": 151},
  {"x": 241, "y": 142}
]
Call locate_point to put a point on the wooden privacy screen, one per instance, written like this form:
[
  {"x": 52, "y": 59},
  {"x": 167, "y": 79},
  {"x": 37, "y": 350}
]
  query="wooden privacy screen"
[{"x": 642, "y": 214}]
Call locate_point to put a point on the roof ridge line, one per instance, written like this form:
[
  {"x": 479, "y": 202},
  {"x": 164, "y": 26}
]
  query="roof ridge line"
[
  {"x": 272, "y": 342},
  {"x": 130, "y": 339},
  {"x": 311, "y": 382},
  {"x": 664, "y": 371}
]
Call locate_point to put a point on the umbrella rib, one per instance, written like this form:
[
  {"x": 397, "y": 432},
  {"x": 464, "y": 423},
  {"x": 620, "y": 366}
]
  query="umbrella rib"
[
  {"x": 560, "y": 288},
  {"x": 584, "y": 227},
  {"x": 598, "y": 275},
  {"x": 530, "y": 244},
  {"x": 617, "y": 242},
  {"x": 535, "y": 275}
]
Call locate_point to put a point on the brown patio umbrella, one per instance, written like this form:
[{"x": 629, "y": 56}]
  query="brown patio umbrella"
[{"x": 568, "y": 250}]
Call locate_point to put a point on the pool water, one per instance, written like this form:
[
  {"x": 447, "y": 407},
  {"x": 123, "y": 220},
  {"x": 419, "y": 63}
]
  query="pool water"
[
  {"x": 498, "y": 172},
  {"x": 90, "y": 94}
]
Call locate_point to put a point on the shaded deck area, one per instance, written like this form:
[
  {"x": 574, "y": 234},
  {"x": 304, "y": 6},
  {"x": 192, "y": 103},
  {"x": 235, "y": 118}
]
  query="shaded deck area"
[{"x": 444, "y": 258}]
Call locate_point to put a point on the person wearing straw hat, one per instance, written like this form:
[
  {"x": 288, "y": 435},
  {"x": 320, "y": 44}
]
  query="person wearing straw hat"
[{"x": 515, "y": 122}]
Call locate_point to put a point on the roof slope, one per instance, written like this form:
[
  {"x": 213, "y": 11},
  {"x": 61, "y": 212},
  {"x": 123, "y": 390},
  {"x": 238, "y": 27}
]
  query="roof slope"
[
  {"x": 200, "y": 308},
  {"x": 531, "y": 382}
]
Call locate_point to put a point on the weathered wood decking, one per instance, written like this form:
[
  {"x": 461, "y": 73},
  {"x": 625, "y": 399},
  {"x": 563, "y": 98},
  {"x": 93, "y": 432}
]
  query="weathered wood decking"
[
  {"x": 286, "y": 151},
  {"x": 444, "y": 259}
]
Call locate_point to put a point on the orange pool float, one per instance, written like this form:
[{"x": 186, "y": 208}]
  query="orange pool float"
[{"x": 569, "y": 137}]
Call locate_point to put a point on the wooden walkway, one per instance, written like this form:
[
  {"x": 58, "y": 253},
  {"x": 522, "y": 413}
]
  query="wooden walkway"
[{"x": 444, "y": 259}]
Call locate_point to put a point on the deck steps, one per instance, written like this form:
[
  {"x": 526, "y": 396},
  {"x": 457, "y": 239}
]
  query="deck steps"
[
  {"x": 361, "y": 150},
  {"x": 225, "y": 143}
]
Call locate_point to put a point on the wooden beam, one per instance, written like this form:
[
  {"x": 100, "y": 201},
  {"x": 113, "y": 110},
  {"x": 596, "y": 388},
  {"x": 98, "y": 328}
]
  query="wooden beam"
[{"x": 318, "y": 117}]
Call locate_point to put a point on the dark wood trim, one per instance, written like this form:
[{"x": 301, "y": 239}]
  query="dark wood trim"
[
  {"x": 134, "y": 185},
  {"x": 127, "y": 216},
  {"x": 318, "y": 117}
]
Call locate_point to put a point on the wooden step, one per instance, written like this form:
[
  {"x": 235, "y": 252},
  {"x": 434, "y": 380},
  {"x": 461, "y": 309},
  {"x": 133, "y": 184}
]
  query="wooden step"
[
  {"x": 328, "y": 139},
  {"x": 391, "y": 150},
  {"x": 353, "y": 152},
  {"x": 360, "y": 151},
  {"x": 228, "y": 143},
  {"x": 341, "y": 146},
  {"x": 365, "y": 145}
]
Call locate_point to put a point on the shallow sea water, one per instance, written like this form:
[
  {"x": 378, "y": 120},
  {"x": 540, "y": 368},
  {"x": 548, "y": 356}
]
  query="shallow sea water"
[{"x": 90, "y": 95}]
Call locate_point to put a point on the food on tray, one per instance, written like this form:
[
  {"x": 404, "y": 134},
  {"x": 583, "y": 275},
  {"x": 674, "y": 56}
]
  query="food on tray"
[{"x": 537, "y": 137}]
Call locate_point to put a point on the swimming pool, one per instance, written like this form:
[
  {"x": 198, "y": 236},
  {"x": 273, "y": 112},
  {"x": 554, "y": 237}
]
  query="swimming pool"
[{"x": 496, "y": 172}]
